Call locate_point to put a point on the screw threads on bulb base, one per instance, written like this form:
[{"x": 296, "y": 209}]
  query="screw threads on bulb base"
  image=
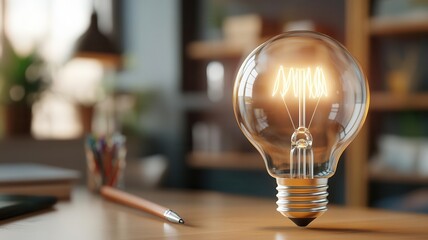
[{"x": 302, "y": 200}]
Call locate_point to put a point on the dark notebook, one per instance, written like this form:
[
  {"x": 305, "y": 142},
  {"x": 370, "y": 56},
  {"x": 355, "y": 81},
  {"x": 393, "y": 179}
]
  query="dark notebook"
[{"x": 16, "y": 205}]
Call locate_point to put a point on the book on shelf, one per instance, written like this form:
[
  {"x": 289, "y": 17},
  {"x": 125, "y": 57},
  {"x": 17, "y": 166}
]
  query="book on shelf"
[{"x": 36, "y": 179}]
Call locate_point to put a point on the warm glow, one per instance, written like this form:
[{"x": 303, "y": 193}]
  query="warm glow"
[
  {"x": 303, "y": 83},
  {"x": 300, "y": 80}
]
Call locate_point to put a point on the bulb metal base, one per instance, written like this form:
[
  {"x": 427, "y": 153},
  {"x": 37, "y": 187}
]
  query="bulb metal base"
[{"x": 302, "y": 200}]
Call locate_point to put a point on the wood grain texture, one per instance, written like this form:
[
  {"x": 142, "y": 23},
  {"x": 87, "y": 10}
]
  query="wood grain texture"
[{"x": 208, "y": 215}]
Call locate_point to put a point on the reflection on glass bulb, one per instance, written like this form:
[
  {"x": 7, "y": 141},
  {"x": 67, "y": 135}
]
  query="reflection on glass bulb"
[{"x": 300, "y": 98}]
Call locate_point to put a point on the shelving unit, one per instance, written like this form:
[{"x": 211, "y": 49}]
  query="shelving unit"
[
  {"x": 361, "y": 29},
  {"x": 198, "y": 53},
  {"x": 219, "y": 50},
  {"x": 230, "y": 55}
]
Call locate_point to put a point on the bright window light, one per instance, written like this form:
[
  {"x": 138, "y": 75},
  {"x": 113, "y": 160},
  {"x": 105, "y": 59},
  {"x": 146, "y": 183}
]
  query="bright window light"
[{"x": 51, "y": 27}]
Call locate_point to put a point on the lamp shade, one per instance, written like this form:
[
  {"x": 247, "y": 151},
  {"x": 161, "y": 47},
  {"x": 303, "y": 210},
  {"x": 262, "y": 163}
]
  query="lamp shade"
[{"x": 96, "y": 45}]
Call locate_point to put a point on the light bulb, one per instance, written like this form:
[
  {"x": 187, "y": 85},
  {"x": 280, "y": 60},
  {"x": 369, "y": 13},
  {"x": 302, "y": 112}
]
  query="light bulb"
[{"x": 300, "y": 98}]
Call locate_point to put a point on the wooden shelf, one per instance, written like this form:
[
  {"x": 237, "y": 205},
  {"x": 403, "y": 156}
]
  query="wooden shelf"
[
  {"x": 397, "y": 25},
  {"x": 208, "y": 50},
  {"x": 390, "y": 102},
  {"x": 226, "y": 160},
  {"x": 361, "y": 30},
  {"x": 395, "y": 177}
]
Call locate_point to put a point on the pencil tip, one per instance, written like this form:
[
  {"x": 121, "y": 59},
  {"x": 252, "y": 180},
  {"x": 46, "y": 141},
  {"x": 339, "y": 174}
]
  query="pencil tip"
[{"x": 173, "y": 216}]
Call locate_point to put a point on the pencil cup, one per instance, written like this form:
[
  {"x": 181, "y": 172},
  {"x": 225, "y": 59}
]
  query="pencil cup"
[{"x": 105, "y": 158}]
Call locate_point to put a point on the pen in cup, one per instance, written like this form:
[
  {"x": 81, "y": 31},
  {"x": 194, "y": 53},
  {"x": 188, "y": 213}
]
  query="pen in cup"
[{"x": 105, "y": 160}]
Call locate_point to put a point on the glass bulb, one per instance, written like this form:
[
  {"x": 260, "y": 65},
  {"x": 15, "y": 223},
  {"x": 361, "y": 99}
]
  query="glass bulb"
[{"x": 300, "y": 98}]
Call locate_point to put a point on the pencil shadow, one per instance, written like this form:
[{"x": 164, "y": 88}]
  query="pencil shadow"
[
  {"x": 147, "y": 216},
  {"x": 191, "y": 225}
]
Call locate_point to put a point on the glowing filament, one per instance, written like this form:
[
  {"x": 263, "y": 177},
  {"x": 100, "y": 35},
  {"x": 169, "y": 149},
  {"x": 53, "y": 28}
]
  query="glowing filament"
[
  {"x": 300, "y": 80},
  {"x": 302, "y": 83}
]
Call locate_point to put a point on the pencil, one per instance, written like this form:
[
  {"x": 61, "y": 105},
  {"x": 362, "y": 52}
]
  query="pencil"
[{"x": 140, "y": 203}]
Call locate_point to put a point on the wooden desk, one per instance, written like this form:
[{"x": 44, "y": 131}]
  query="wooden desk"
[{"x": 208, "y": 215}]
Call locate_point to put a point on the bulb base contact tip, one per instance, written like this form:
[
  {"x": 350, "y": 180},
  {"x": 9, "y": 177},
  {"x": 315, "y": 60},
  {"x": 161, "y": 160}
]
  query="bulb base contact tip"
[{"x": 302, "y": 200}]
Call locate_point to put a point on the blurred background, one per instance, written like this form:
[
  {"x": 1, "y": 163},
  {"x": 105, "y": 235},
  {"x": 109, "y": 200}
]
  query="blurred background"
[{"x": 161, "y": 72}]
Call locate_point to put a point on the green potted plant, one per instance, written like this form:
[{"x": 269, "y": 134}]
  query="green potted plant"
[{"x": 21, "y": 83}]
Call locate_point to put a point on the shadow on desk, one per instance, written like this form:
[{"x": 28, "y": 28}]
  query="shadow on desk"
[{"x": 27, "y": 215}]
